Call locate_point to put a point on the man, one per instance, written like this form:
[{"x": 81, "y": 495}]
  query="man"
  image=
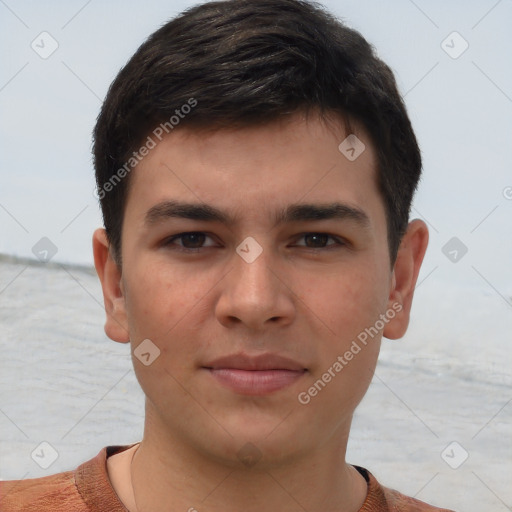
[{"x": 255, "y": 166}]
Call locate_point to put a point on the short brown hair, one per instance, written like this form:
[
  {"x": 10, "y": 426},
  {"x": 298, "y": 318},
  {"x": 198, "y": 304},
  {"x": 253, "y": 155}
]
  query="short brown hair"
[{"x": 246, "y": 62}]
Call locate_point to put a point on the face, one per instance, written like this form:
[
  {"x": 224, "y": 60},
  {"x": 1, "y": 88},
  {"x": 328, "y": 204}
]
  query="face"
[{"x": 259, "y": 302}]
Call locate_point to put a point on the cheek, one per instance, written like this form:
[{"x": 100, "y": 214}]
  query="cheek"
[
  {"x": 348, "y": 350},
  {"x": 346, "y": 303},
  {"x": 163, "y": 305}
]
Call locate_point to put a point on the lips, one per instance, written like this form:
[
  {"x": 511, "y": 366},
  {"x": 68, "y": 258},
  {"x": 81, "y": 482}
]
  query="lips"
[
  {"x": 256, "y": 363},
  {"x": 255, "y": 375}
]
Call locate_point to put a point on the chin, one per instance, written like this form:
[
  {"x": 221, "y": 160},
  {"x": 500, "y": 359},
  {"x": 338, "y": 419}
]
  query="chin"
[
  {"x": 256, "y": 443},
  {"x": 261, "y": 455}
]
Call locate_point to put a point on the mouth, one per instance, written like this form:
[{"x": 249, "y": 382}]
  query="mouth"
[{"x": 256, "y": 375}]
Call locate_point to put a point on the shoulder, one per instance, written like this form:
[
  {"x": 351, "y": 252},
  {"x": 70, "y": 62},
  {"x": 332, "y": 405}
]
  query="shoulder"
[
  {"x": 383, "y": 499},
  {"x": 54, "y": 492},
  {"x": 85, "y": 489},
  {"x": 400, "y": 502}
]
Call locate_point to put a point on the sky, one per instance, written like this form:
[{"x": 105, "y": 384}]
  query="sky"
[{"x": 451, "y": 60}]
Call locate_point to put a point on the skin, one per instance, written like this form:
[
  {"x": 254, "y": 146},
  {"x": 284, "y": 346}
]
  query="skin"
[{"x": 302, "y": 298}]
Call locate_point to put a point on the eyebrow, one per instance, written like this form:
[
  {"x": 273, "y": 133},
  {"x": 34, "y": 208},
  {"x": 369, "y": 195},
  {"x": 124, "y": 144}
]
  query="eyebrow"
[{"x": 292, "y": 213}]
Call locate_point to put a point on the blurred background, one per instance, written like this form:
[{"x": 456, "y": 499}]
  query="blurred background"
[{"x": 447, "y": 381}]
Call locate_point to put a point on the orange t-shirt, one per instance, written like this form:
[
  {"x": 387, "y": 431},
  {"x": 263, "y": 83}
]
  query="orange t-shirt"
[{"x": 88, "y": 489}]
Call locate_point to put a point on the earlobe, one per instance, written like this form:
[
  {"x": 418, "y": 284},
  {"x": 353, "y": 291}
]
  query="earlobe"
[
  {"x": 405, "y": 275},
  {"x": 116, "y": 325}
]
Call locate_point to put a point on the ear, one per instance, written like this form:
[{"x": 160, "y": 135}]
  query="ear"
[
  {"x": 116, "y": 325},
  {"x": 405, "y": 274}
]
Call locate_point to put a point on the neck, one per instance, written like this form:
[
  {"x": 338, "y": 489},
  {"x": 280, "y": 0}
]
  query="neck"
[{"x": 167, "y": 476}]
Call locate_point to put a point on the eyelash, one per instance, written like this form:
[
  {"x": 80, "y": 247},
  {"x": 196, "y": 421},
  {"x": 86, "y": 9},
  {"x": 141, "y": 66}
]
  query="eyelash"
[{"x": 169, "y": 242}]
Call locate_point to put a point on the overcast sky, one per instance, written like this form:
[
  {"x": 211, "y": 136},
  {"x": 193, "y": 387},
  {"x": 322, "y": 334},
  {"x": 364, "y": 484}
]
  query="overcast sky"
[{"x": 458, "y": 92}]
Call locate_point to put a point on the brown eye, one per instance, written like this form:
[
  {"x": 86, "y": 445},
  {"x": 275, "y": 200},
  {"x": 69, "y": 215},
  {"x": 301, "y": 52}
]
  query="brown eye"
[
  {"x": 192, "y": 240},
  {"x": 316, "y": 239},
  {"x": 320, "y": 241}
]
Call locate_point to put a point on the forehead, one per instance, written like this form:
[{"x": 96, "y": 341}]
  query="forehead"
[{"x": 247, "y": 171}]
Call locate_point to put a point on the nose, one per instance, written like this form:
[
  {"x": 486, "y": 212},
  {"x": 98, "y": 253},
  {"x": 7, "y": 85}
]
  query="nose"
[{"x": 256, "y": 294}]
